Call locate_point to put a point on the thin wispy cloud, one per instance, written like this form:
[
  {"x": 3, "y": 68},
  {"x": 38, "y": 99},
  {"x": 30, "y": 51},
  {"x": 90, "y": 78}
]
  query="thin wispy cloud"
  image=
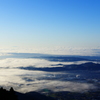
[{"x": 53, "y": 50}]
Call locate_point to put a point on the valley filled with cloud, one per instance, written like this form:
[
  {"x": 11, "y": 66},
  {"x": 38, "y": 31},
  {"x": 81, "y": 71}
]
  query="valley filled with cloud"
[{"x": 34, "y": 72}]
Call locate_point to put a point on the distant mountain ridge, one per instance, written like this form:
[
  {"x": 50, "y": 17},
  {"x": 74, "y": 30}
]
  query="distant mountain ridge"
[
  {"x": 13, "y": 95},
  {"x": 85, "y": 66}
]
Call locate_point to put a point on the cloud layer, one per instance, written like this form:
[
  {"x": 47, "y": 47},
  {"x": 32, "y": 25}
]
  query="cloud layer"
[
  {"x": 54, "y": 50},
  {"x": 19, "y": 62},
  {"x": 25, "y": 80}
]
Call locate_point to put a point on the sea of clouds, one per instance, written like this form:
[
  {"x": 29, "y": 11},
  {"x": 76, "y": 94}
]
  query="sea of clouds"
[{"x": 33, "y": 80}]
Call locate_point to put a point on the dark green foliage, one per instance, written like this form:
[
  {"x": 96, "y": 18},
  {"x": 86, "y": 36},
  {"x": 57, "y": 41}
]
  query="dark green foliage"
[{"x": 76, "y": 96}]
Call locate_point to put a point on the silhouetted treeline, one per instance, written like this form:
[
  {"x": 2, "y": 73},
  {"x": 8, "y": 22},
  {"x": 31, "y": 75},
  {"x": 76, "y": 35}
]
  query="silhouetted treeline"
[
  {"x": 7, "y": 95},
  {"x": 13, "y": 95},
  {"x": 63, "y": 95}
]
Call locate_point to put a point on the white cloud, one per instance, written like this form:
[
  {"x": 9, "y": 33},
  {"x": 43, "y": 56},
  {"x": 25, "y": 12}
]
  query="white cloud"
[
  {"x": 56, "y": 86},
  {"x": 18, "y": 62},
  {"x": 17, "y": 78},
  {"x": 54, "y": 50},
  {"x": 13, "y": 76}
]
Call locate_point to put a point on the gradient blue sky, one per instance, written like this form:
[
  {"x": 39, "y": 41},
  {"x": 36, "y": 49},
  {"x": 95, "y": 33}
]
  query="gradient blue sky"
[{"x": 74, "y": 23}]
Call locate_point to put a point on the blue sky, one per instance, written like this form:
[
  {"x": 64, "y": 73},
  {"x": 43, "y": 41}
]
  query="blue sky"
[{"x": 73, "y": 23}]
